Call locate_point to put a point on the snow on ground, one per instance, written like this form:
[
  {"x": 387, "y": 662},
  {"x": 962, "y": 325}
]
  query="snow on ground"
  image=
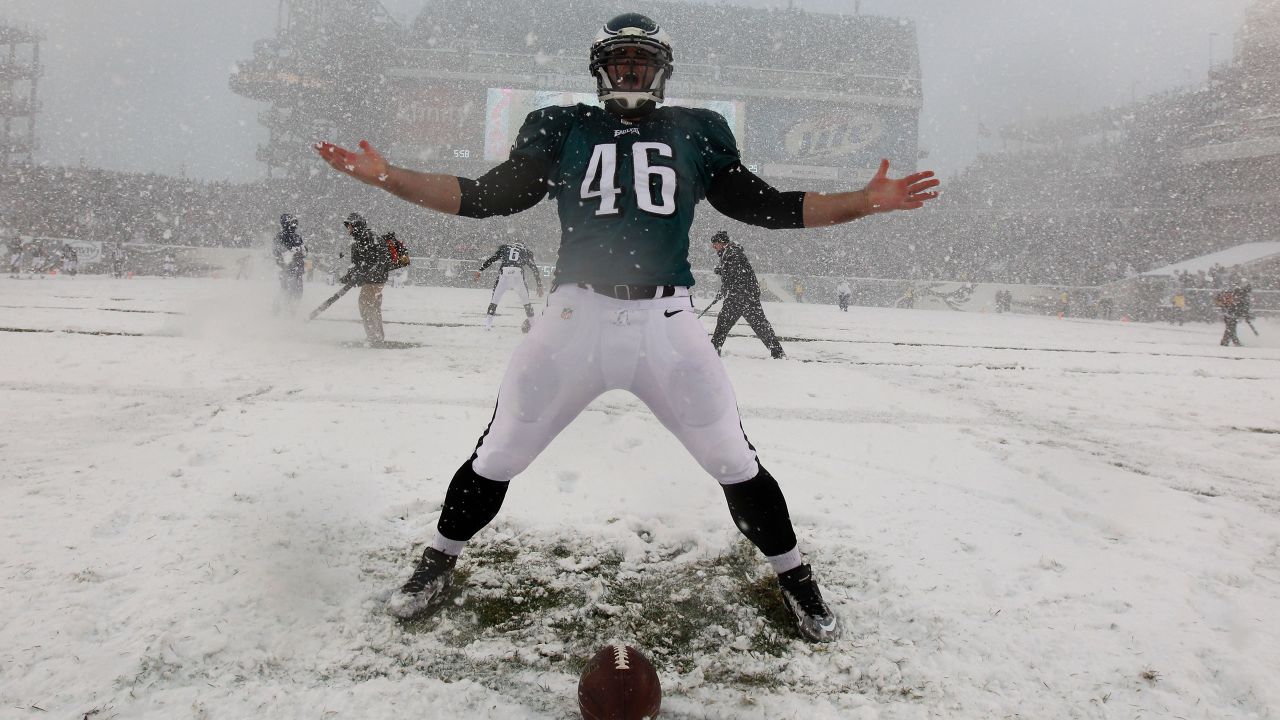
[{"x": 202, "y": 510}]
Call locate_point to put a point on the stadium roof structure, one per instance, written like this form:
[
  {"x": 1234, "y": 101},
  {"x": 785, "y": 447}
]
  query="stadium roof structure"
[
  {"x": 19, "y": 104},
  {"x": 1243, "y": 255},
  {"x": 14, "y": 35}
]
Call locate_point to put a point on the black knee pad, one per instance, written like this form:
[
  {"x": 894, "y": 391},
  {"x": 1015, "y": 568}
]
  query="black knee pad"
[
  {"x": 470, "y": 503},
  {"x": 760, "y": 512}
]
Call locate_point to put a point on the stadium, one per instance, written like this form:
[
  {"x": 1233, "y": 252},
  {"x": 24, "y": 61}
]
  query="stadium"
[{"x": 814, "y": 106}]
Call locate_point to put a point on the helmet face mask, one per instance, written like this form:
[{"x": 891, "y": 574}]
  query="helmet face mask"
[{"x": 631, "y": 61}]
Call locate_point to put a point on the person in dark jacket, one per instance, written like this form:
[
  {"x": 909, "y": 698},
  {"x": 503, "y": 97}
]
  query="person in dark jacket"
[
  {"x": 370, "y": 263},
  {"x": 290, "y": 253},
  {"x": 741, "y": 292},
  {"x": 1235, "y": 304}
]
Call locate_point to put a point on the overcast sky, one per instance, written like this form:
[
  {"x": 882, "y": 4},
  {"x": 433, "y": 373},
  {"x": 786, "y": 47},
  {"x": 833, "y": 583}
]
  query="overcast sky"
[{"x": 142, "y": 84}]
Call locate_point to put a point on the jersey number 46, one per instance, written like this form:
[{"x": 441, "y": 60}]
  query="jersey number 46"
[{"x": 599, "y": 182}]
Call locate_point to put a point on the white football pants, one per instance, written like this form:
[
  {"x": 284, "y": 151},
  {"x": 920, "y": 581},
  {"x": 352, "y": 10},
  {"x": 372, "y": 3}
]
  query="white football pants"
[
  {"x": 510, "y": 279},
  {"x": 586, "y": 344}
]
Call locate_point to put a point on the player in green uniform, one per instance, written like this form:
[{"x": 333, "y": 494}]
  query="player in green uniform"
[{"x": 626, "y": 179}]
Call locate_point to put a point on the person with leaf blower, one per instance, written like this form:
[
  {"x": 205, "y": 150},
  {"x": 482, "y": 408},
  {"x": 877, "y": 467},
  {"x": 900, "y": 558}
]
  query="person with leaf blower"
[
  {"x": 741, "y": 292},
  {"x": 370, "y": 264}
]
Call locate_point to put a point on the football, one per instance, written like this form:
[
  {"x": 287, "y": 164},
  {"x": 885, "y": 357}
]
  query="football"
[{"x": 619, "y": 683}]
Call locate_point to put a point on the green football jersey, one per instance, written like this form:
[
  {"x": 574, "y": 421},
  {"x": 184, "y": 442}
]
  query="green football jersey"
[{"x": 626, "y": 190}]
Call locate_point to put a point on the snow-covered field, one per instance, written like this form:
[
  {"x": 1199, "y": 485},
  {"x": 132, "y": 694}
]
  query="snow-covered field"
[{"x": 202, "y": 510}]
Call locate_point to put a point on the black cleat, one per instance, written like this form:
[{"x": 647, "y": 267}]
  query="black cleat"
[
  {"x": 802, "y": 597},
  {"x": 433, "y": 576}
]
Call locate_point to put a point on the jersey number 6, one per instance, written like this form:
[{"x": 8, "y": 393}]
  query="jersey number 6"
[{"x": 603, "y": 167}]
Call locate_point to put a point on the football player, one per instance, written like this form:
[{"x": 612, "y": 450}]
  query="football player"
[
  {"x": 513, "y": 259},
  {"x": 626, "y": 178}
]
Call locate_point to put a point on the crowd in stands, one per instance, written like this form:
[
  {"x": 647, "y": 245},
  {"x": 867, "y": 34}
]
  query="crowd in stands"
[
  {"x": 977, "y": 232},
  {"x": 114, "y": 207},
  {"x": 1216, "y": 277},
  {"x": 118, "y": 208},
  {"x": 784, "y": 38},
  {"x": 1085, "y": 212}
]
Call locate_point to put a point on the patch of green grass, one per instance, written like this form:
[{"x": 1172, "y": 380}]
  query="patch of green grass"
[
  {"x": 680, "y": 612},
  {"x": 504, "y": 613}
]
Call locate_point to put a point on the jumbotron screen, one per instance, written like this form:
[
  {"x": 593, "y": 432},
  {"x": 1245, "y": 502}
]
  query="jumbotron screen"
[{"x": 506, "y": 108}]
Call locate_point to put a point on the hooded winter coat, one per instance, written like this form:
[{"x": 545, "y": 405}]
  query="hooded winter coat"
[
  {"x": 737, "y": 277},
  {"x": 370, "y": 258}
]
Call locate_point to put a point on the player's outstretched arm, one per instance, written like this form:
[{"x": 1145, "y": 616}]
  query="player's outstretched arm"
[
  {"x": 882, "y": 194},
  {"x": 430, "y": 190}
]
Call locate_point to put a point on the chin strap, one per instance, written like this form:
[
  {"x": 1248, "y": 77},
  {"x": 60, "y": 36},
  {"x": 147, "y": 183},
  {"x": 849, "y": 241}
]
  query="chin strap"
[{"x": 617, "y": 108}]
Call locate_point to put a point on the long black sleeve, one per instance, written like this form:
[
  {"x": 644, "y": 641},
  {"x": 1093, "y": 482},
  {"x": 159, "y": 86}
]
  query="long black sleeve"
[
  {"x": 510, "y": 187},
  {"x": 743, "y": 196},
  {"x": 492, "y": 259}
]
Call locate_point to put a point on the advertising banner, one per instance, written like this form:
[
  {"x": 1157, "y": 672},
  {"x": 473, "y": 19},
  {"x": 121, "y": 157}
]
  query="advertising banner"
[
  {"x": 438, "y": 120},
  {"x": 789, "y": 134},
  {"x": 89, "y": 252}
]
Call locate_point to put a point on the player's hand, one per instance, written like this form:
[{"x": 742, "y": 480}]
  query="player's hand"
[
  {"x": 908, "y": 193},
  {"x": 367, "y": 166}
]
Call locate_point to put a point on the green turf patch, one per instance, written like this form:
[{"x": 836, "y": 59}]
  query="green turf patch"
[{"x": 681, "y": 609}]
